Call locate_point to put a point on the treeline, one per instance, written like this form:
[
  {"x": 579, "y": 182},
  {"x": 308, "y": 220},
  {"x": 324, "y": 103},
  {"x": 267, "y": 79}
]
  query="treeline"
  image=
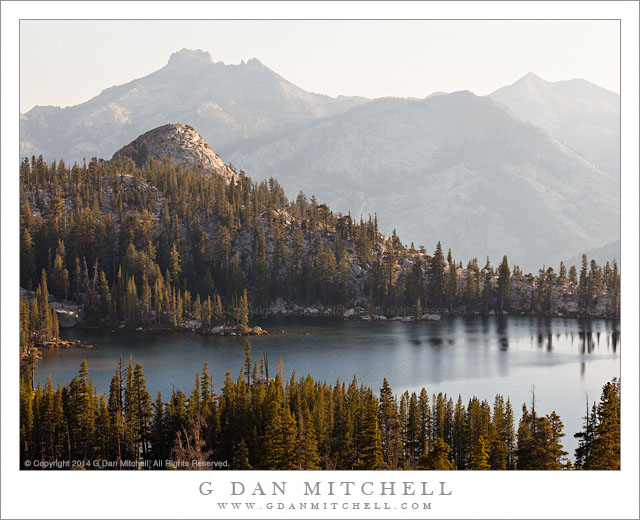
[
  {"x": 38, "y": 320},
  {"x": 258, "y": 422},
  {"x": 154, "y": 245}
]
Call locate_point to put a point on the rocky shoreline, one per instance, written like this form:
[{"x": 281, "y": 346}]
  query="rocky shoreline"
[
  {"x": 196, "y": 327},
  {"x": 70, "y": 316},
  {"x": 64, "y": 343}
]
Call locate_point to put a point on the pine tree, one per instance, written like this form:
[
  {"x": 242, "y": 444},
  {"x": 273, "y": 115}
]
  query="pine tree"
[
  {"x": 103, "y": 423},
  {"x": 26, "y": 419},
  {"x": 525, "y": 446},
  {"x": 436, "y": 459},
  {"x": 585, "y": 437},
  {"x": 83, "y": 412},
  {"x": 480, "y": 457},
  {"x": 436, "y": 278},
  {"x": 459, "y": 435},
  {"x": 175, "y": 265},
  {"x": 370, "y": 454},
  {"x": 452, "y": 282},
  {"x": 426, "y": 429},
  {"x": 130, "y": 422},
  {"x": 59, "y": 274},
  {"x": 606, "y": 443},
  {"x": 414, "y": 443},
  {"x": 25, "y": 326},
  {"x": 307, "y": 445},
  {"x": 242, "y": 457},
  {"x": 131, "y": 304},
  {"x": 279, "y": 446},
  {"x": 390, "y": 428},
  {"x": 499, "y": 436},
  {"x": 158, "y": 437},
  {"x": 115, "y": 413},
  {"x": 539, "y": 445},
  {"x": 247, "y": 362},
  {"x": 504, "y": 282},
  {"x": 556, "y": 453},
  {"x": 243, "y": 312},
  {"x": 143, "y": 409},
  {"x": 510, "y": 435},
  {"x": 584, "y": 295}
]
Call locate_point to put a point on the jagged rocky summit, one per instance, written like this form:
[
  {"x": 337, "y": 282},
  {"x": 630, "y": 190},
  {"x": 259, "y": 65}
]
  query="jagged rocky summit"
[{"x": 182, "y": 144}]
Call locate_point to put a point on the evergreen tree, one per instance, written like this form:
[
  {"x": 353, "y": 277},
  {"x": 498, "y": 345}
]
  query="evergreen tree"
[
  {"x": 114, "y": 406},
  {"x": 436, "y": 459},
  {"x": 390, "y": 428},
  {"x": 452, "y": 282},
  {"x": 436, "y": 278},
  {"x": 143, "y": 409},
  {"x": 605, "y": 452},
  {"x": 370, "y": 454},
  {"x": 480, "y": 458},
  {"x": 307, "y": 445},
  {"x": 279, "y": 445},
  {"x": 504, "y": 282}
]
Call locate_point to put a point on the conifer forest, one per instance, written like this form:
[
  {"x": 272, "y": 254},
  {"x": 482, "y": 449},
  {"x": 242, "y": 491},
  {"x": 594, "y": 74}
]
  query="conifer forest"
[{"x": 131, "y": 246}]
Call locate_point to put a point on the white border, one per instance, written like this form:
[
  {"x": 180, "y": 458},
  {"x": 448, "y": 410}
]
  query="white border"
[{"x": 158, "y": 495}]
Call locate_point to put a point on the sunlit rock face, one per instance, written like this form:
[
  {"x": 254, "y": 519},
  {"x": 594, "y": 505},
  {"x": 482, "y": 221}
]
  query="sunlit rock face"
[{"x": 182, "y": 145}]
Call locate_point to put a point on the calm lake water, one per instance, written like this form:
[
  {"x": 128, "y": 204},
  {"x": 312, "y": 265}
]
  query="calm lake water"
[{"x": 566, "y": 359}]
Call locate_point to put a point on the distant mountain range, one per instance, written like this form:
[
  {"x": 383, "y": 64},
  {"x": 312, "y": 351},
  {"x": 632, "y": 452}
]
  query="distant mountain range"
[
  {"x": 531, "y": 170},
  {"x": 601, "y": 255},
  {"x": 224, "y": 103},
  {"x": 457, "y": 168},
  {"x": 582, "y": 115}
]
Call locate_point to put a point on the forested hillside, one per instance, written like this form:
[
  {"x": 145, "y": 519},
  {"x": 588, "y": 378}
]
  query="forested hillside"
[{"x": 158, "y": 246}]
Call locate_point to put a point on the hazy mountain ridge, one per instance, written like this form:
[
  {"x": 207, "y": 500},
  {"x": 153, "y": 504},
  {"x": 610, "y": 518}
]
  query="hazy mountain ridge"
[
  {"x": 602, "y": 255},
  {"x": 457, "y": 168},
  {"x": 225, "y": 102},
  {"x": 582, "y": 115}
]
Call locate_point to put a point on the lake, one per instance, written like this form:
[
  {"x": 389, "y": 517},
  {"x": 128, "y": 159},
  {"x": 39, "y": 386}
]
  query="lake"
[{"x": 566, "y": 359}]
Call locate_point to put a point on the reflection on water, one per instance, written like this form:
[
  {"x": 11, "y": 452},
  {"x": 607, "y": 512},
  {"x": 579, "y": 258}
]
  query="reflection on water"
[
  {"x": 545, "y": 341},
  {"x": 502, "y": 331},
  {"x": 468, "y": 347},
  {"x": 586, "y": 342},
  {"x": 565, "y": 358},
  {"x": 615, "y": 339}
]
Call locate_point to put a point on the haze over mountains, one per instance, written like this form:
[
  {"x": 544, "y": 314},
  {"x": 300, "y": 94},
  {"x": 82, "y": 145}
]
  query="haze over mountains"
[
  {"x": 457, "y": 167},
  {"x": 582, "y": 115},
  {"x": 530, "y": 171},
  {"x": 224, "y": 103}
]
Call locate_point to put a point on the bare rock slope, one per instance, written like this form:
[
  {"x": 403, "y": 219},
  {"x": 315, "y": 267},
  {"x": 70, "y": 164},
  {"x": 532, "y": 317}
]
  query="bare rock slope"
[{"x": 182, "y": 145}]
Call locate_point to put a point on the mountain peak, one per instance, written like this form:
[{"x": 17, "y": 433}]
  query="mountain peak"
[
  {"x": 190, "y": 57},
  {"x": 531, "y": 78},
  {"x": 182, "y": 145}
]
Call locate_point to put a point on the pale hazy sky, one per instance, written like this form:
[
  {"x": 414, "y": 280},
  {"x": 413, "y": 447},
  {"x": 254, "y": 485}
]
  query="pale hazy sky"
[{"x": 68, "y": 62}]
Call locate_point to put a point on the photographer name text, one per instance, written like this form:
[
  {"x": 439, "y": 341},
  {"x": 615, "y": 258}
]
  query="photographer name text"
[{"x": 328, "y": 488}]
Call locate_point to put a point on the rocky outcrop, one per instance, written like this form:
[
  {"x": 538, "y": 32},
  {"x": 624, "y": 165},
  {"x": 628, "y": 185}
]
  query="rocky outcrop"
[{"x": 182, "y": 145}]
